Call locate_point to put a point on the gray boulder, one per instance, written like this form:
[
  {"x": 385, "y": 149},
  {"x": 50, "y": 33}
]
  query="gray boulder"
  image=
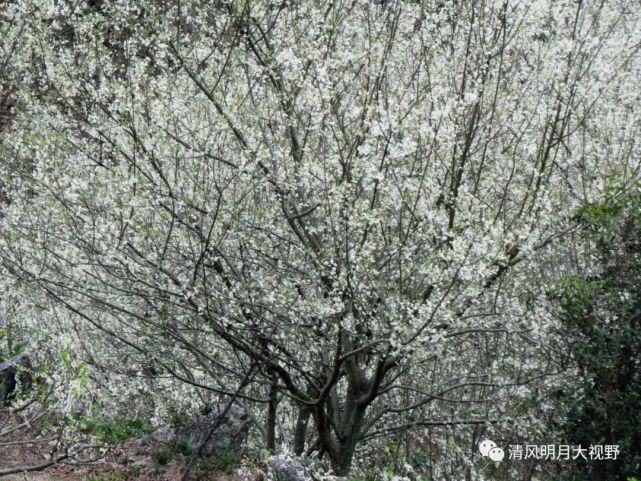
[
  {"x": 228, "y": 436},
  {"x": 163, "y": 435},
  {"x": 287, "y": 468}
]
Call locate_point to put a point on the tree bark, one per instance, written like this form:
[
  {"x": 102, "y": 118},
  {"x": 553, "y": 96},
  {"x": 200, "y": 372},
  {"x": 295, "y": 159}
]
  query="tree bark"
[
  {"x": 300, "y": 432},
  {"x": 343, "y": 463},
  {"x": 270, "y": 428},
  {"x": 9, "y": 373}
]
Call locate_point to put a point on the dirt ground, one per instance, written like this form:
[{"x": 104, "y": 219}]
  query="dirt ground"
[{"x": 131, "y": 460}]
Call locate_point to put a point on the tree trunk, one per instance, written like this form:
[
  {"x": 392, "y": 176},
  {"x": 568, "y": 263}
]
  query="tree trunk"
[
  {"x": 9, "y": 372},
  {"x": 270, "y": 428},
  {"x": 343, "y": 462},
  {"x": 340, "y": 445},
  {"x": 301, "y": 430}
]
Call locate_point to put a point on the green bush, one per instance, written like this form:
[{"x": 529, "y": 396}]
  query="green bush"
[
  {"x": 118, "y": 430},
  {"x": 162, "y": 456},
  {"x": 601, "y": 315},
  {"x": 226, "y": 461},
  {"x": 183, "y": 447}
]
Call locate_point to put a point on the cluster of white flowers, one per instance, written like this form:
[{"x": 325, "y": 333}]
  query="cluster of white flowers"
[{"x": 311, "y": 188}]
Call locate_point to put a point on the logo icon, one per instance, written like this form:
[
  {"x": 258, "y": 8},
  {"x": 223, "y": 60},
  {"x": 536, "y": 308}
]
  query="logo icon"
[{"x": 488, "y": 448}]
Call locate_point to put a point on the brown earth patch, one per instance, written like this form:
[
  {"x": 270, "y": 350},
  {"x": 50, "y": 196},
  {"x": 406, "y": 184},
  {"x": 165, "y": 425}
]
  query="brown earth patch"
[{"x": 133, "y": 460}]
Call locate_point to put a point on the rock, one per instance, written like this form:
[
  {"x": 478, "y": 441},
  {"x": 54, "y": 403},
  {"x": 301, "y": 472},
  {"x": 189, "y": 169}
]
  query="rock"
[
  {"x": 9, "y": 376},
  {"x": 287, "y": 468},
  {"x": 163, "y": 435},
  {"x": 78, "y": 406},
  {"x": 228, "y": 436}
]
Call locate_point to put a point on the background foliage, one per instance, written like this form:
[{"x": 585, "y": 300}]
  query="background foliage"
[{"x": 601, "y": 313}]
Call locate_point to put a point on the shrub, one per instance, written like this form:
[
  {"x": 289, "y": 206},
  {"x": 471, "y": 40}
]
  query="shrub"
[
  {"x": 601, "y": 315},
  {"x": 118, "y": 430}
]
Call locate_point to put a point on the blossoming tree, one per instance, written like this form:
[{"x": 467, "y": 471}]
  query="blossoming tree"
[{"x": 344, "y": 194}]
